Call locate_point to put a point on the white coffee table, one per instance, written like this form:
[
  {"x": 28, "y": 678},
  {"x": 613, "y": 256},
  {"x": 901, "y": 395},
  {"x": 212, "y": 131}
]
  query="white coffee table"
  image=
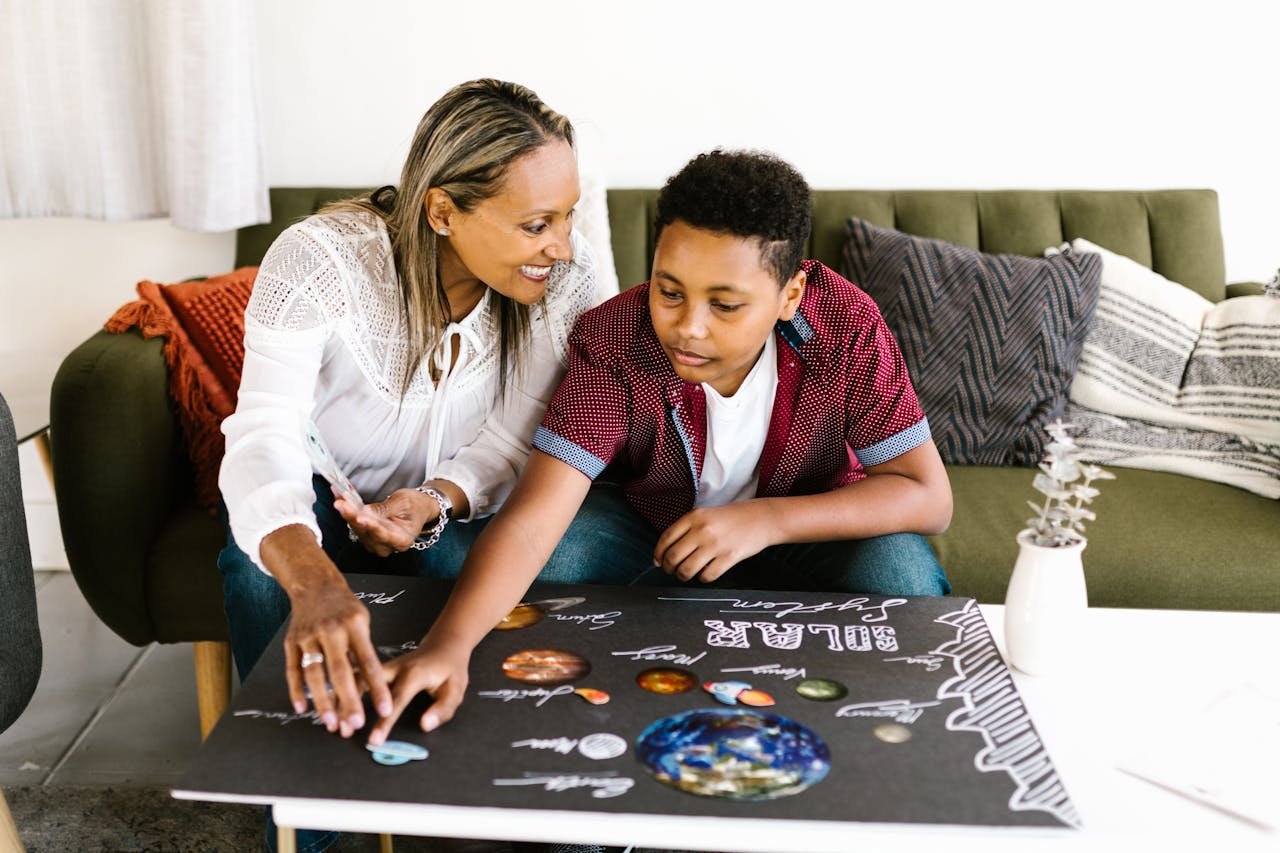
[{"x": 1133, "y": 667}]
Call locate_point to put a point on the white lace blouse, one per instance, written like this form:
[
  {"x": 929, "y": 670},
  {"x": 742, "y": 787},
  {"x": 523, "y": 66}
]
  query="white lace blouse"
[{"x": 325, "y": 339}]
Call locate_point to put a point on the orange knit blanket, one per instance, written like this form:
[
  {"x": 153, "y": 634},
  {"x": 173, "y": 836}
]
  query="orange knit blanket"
[{"x": 202, "y": 323}]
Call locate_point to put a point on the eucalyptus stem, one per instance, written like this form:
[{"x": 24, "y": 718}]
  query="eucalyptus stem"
[{"x": 1065, "y": 526}]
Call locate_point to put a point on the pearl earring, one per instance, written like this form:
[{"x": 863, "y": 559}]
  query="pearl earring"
[{"x": 443, "y": 232}]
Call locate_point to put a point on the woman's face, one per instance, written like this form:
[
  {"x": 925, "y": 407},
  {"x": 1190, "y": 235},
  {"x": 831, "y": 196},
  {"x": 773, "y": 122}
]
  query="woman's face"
[{"x": 510, "y": 241}]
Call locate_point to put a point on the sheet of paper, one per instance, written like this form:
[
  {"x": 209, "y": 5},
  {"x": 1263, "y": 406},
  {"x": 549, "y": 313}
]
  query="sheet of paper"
[{"x": 1225, "y": 754}]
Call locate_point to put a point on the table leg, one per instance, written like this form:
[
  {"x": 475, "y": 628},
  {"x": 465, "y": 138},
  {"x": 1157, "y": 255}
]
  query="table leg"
[
  {"x": 286, "y": 839},
  {"x": 46, "y": 454},
  {"x": 386, "y": 843},
  {"x": 9, "y": 840}
]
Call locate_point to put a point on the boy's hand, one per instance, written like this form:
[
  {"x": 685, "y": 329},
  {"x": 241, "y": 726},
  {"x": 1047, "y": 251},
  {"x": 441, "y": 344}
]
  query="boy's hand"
[
  {"x": 440, "y": 671},
  {"x": 707, "y": 542}
]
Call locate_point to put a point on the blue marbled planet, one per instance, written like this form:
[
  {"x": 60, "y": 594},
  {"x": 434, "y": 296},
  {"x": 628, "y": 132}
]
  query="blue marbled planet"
[{"x": 738, "y": 753}]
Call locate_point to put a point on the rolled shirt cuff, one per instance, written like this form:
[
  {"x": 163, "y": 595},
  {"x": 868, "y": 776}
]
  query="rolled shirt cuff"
[
  {"x": 568, "y": 452},
  {"x": 895, "y": 445}
]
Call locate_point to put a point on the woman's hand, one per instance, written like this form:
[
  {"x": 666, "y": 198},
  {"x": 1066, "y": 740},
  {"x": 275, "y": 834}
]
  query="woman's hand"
[
  {"x": 440, "y": 671},
  {"x": 707, "y": 542},
  {"x": 390, "y": 526},
  {"x": 328, "y": 645}
]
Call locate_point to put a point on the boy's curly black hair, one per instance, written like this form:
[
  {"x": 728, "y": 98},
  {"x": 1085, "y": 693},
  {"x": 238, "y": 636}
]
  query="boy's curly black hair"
[{"x": 749, "y": 194}]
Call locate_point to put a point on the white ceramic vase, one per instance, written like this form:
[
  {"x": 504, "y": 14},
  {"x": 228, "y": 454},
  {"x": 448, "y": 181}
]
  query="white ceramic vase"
[{"x": 1044, "y": 607}]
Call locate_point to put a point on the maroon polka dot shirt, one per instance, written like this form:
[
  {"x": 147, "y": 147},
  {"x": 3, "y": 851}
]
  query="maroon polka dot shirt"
[{"x": 844, "y": 402}]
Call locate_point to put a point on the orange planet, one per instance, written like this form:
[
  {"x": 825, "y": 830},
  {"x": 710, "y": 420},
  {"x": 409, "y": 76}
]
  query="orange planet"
[
  {"x": 666, "y": 680},
  {"x": 522, "y": 616},
  {"x": 545, "y": 666}
]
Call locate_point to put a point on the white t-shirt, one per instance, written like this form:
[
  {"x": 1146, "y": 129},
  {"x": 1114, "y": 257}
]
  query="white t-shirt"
[
  {"x": 736, "y": 430},
  {"x": 325, "y": 339}
]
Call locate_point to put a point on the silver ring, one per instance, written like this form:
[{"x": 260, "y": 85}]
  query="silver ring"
[
  {"x": 351, "y": 534},
  {"x": 311, "y": 659}
]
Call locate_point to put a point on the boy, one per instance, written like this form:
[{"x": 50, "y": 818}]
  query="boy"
[{"x": 756, "y": 410}]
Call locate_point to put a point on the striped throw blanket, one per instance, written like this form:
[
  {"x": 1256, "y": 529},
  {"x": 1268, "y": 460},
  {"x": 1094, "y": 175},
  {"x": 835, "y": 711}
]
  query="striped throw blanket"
[{"x": 1170, "y": 381}]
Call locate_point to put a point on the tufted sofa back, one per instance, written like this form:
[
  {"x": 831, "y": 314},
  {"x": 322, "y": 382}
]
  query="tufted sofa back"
[{"x": 1174, "y": 232}]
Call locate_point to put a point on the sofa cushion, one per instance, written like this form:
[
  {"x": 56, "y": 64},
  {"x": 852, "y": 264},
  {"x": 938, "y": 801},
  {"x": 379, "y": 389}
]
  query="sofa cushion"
[
  {"x": 1160, "y": 541},
  {"x": 1170, "y": 381},
  {"x": 202, "y": 323},
  {"x": 991, "y": 340}
]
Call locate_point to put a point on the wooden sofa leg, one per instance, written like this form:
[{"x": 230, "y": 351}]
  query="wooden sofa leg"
[
  {"x": 213, "y": 682},
  {"x": 9, "y": 840}
]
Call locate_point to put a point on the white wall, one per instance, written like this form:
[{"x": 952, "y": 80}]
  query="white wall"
[{"x": 892, "y": 94}]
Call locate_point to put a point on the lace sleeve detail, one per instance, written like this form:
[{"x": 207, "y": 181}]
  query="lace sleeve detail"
[{"x": 298, "y": 282}]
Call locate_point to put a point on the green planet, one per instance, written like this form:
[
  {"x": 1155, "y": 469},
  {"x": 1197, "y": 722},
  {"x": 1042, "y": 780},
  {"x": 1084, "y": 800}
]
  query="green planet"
[{"x": 822, "y": 689}]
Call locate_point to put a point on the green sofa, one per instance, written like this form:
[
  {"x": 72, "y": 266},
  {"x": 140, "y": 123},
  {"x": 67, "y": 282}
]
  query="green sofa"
[{"x": 144, "y": 554}]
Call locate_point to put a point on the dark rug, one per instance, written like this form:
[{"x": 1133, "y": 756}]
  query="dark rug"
[{"x": 65, "y": 819}]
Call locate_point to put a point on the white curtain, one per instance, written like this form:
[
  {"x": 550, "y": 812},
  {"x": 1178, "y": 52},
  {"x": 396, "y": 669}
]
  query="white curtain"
[{"x": 131, "y": 109}]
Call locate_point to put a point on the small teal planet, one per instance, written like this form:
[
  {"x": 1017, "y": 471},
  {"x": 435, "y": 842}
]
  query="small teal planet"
[
  {"x": 395, "y": 752},
  {"x": 736, "y": 753}
]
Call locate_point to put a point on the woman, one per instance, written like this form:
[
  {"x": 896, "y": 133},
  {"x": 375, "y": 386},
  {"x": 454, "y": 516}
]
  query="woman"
[{"x": 423, "y": 329}]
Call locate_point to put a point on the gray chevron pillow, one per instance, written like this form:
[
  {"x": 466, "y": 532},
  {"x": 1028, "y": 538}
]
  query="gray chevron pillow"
[{"x": 991, "y": 341}]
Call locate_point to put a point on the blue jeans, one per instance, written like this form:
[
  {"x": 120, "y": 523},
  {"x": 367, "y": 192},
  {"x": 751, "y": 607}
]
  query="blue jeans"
[{"x": 611, "y": 543}]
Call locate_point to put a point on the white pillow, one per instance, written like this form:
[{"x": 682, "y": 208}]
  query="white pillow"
[
  {"x": 591, "y": 218},
  {"x": 1169, "y": 381},
  {"x": 1160, "y": 352}
]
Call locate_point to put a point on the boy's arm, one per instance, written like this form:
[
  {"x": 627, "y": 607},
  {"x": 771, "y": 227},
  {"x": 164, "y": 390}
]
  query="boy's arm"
[
  {"x": 508, "y": 555},
  {"x": 504, "y": 560},
  {"x": 910, "y": 493},
  {"x": 907, "y": 494}
]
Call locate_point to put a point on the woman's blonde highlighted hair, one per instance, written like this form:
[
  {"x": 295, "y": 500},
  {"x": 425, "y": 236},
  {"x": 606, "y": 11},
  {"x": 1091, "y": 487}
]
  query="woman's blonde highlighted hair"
[{"x": 463, "y": 146}]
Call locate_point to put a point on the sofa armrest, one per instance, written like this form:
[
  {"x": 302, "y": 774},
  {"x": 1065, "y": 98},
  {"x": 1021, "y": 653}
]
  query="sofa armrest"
[
  {"x": 116, "y": 469},
  {"x": 1244, "y": 288}
]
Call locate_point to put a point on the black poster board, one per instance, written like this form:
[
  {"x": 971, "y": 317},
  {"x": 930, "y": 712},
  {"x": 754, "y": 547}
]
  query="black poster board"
[{"x": 932, "y": 729}]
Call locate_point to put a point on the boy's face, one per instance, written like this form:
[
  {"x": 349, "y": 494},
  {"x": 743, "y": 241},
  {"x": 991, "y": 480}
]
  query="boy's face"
[{"x": 714, "y": 304}]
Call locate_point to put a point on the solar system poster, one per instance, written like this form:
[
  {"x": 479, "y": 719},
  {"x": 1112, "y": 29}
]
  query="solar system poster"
[{"x": 676, "y": 701}]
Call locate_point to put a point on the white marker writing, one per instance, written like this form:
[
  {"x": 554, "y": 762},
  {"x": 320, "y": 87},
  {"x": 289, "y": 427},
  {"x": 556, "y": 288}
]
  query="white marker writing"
[
  {"x": 597, "y": 620},
  {"x": 787, "y": 673},
  {"x": 542, "y": 694},
  {"x": 605, "y": 784},
  {"x": 284, "y": 717},
  {"x": 378, "y": 597},
  {"x": 899, "y": 710},
  {"x": 871, "y": 612},
  {"x": 562, "y": 745},
  {"x": 662, "y": 653},
  {"x": 931, "y": 663}
]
